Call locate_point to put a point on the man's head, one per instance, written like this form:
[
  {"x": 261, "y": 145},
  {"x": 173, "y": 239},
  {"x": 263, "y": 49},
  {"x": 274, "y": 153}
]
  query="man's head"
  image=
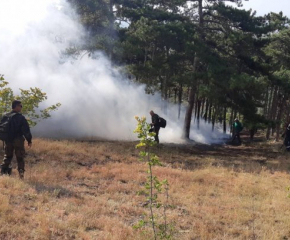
[
  {"x": 236, "y": 120},
  {"x": 16, "y": 106},
  {"x": 151, "y": 113}
]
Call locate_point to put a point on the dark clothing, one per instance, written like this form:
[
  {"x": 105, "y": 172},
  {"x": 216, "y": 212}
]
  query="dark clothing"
[
  {"x": 156, "y": 130},
  {"x": 252, "y": 133},
  {"x": 237, "y": 136},
  {"x": 155, "y": 120},
  {"x": 19, "y": 131},
  {"x": 287, "y": 138},
  {"x": 18, "y": 146},
  {"x": 156, "y": 127},
  {"x": 237, "y": 128},
  {"x": 19, "y": 127}
]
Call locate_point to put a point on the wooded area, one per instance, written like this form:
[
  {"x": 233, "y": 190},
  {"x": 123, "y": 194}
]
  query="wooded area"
[{"x": 221, "y": 61}]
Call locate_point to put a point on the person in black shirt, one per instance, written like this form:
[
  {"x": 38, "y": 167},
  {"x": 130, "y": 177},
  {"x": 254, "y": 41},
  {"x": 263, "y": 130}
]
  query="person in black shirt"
[
  {"x": 286, "y": 134},
  {"x": 19, "y": 131},
  {"x": 155, "y": 125}
]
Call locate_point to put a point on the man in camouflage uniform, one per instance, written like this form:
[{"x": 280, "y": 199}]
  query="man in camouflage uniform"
[
  {"x": 156, "y": 125},
  {"x": 19, "y": 131}
]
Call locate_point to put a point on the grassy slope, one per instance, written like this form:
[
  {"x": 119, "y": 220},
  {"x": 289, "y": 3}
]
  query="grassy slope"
[{"x": 82, "y": 190}]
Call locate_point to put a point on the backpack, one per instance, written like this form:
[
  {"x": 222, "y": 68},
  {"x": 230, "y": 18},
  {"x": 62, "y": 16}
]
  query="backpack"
[
  {"x": 241, "y": 127},
  {"x": 162, "y": 122},
  {"x": 5, "y": 127}
]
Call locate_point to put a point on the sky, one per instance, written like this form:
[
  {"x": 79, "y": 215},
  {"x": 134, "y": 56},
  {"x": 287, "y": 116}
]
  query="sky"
[{"x": 265, "y": 6}]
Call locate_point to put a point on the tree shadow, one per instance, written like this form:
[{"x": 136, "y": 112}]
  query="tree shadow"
[
  {"x": 250, "y": 157},
  {"x": 56, "y": 191}
]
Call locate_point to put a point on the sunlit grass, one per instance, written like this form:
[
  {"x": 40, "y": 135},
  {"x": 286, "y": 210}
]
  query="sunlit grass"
[{"x": 81, "y": 190}]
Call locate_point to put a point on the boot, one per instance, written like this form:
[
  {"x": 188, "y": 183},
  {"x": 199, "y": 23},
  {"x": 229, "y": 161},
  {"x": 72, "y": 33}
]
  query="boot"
[
  {"x": 3, "y": 171},
  {"x": 9, "y": 171},
  {"x": 6, "y": 170},
  {"x": 21, "y": 173}
]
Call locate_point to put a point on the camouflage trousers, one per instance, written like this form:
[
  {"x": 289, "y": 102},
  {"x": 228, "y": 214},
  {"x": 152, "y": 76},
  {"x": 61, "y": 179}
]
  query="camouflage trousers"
[{"x": 16, "y": 146}]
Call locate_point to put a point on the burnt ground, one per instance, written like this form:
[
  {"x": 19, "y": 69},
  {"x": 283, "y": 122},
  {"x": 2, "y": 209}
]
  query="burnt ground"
[{"x": 250, "y": 156}]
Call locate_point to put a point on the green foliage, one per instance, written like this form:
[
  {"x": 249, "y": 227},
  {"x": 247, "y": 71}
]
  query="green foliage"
[
  {"x": 31, "y": 100},
  {"x": 278, "y": 54},
  {"x": 98, "y": 18},
  {"x": 153, "y": 186},
  {"x": 226, "y": 56},
  {"x": 6, "y": 96}
]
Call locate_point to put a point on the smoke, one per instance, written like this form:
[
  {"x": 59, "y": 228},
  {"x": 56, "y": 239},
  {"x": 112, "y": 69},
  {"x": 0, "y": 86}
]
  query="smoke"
[{"x": 97, "y": 101}]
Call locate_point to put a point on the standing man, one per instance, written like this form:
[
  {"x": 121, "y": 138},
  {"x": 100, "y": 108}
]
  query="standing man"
[
  {"x": 286, "y": 134},
  {"x": 18, "y": 131},
  {"x": 237, "y": 128},
  {"x": 155, "y": 125}
]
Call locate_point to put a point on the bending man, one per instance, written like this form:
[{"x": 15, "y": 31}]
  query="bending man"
[{"x": 155, "y": 124}]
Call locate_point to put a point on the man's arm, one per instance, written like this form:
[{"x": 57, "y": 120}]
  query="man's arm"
[{"x": 25, "y": 130}]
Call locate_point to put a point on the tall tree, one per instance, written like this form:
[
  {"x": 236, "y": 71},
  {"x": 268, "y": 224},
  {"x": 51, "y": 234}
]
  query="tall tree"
[
  {"x": 99, "y": 19},
  {"x": 278, "y": 52}
]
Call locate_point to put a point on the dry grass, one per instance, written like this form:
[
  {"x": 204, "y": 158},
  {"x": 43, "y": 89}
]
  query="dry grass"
[{"x": 88, "y": 190}]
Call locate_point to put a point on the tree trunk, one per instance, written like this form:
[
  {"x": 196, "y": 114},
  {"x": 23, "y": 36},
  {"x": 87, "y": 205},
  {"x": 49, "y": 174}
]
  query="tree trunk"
[
  {"x": 279, "y": 117},
  {"x": 164, "y": 91},
  {"x": 188, "y": 114},
  {"x": 266, "y": 102},
  {"x": 220, "y": 115},
  {"x": 165, "y": 104},
  {"x": 231, "y": 120},
  {"x": 272, "y": 111},
  {"x": 225, "y": 119},
  {"x": 112, "y": 30},
  {"x": 213, "y": 118},
  {"x": 287, "y": 115},
  {"x": 198, "y": 112},
  {"x": 210, "y": 113},
  {"x": 180, "y": 92},
  {"x": 175, "y": 95},
  {"x": 270, "y": 103},
  {"x": 196, "y": 106},
  {"x": 202, "y": 109},
  {"x": 206, "y": 110}
]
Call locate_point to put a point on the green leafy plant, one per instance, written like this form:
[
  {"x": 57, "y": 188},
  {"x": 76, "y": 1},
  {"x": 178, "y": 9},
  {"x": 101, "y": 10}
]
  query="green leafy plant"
[
  {"x": 30, "y": 99},
  {"x": 153, "y": 186}
]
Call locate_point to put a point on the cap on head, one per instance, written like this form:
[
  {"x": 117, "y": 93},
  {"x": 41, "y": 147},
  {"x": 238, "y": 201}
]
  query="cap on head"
[{"x": 236, "y": 120}]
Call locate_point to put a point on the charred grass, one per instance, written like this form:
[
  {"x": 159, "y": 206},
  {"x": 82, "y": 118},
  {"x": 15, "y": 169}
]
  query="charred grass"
[{"x": 88, "y": 190}]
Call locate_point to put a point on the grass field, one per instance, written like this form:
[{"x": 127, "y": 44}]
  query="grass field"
[{"x": 88, "y": 190}]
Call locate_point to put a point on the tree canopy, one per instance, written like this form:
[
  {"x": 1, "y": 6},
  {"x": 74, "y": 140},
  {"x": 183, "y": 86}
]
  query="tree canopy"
[
  {"x": 30, "y": 99},
  {"x": 217, "y": 60}
]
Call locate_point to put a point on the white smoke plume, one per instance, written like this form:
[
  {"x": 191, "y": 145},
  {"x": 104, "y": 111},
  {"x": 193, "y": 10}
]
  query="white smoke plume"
[{"x": 96, "y": 100}]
